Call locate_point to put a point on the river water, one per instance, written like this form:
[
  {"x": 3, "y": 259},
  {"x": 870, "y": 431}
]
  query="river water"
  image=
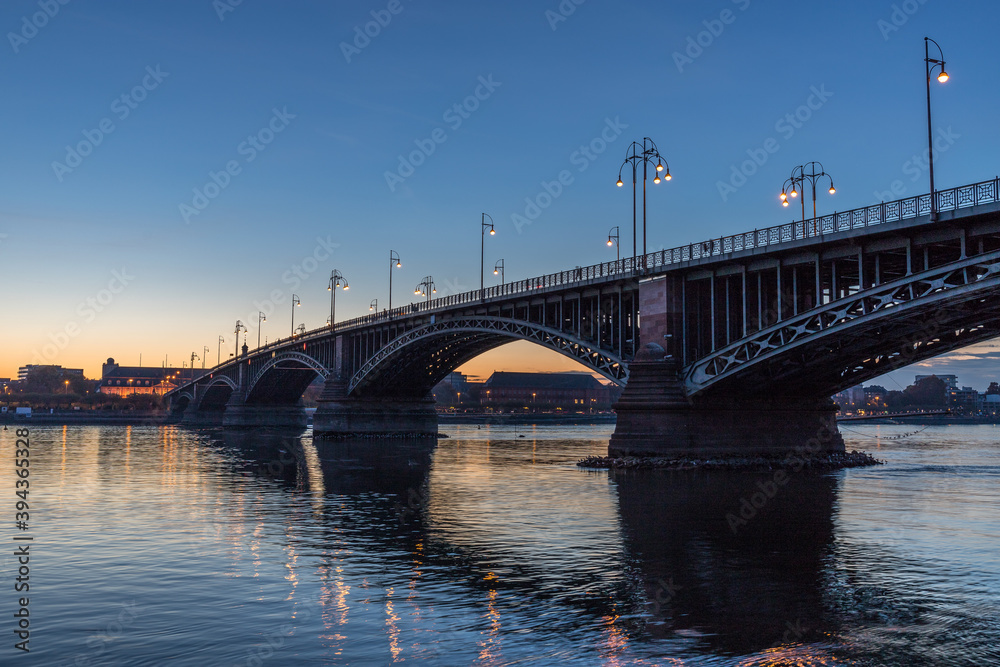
[{"x": 167, "y": 546}]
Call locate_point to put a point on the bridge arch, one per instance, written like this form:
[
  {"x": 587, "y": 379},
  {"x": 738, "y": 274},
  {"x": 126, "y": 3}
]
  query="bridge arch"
[
  {"x": 282, "y": 379},
  {"x": 411, "y": 364},
  {"x": 216, "y": 394},
  {"x": 848, "y": 341}
]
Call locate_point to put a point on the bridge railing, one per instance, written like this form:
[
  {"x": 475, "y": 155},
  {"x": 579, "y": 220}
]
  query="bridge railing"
[{"x": 985, "y": 192}]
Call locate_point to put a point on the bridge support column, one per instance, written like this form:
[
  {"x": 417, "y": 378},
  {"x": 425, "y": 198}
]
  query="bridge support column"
[
  {"x": 655, "y": 418},
  {"x": 340, "y": 416},
  {"x": 239, "y": 414}
]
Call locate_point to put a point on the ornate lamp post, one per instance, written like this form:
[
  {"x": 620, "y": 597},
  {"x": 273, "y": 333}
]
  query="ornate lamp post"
[
  {"x": 614, "y": 239},
  {"x": 393, "y": 261},
  {"x": 261, "y": 317},
  {"x": 295, "y": 302},
  {"x": 222, "y": 339},
  {"x": 646, "y": 153},
  {"x": 335, "y": 281},
  {"x": 425, "y": 288},
  {"x": 239, "y": 327},
  {"x": 373, "y": 305},
  {"x": 798, "y": 180},
  {"x": 482, "y": 248},
  {"x": 498, "y": 270},
  {"x": 930, "y": 64}
]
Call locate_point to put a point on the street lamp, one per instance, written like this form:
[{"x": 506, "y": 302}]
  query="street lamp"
[
  {"x": 425, "y": 288},
  {"x": 482, "y": 248},
  {"x": 373, "y": 305},
  {"x": 239, "y": 327},
  {"x": 204, "y": 356},
  {"x": 614, "y": 239},
  {"x": 498, "y": 269},
  {"x": 295, "y": 302},
  {"x": 335, "y": 278},
  {"x": 222, "y": 339},
  {"x": 261, "y": 317},
  {"x": 646, "y": 154},
  {"x": 930, "y": 64},
  {"x": 798, "y": 180},
  {"x": 393, "y": 261}
]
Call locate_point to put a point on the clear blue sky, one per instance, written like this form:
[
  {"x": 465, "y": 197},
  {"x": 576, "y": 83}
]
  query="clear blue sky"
[{"x": 201, "y": 77}]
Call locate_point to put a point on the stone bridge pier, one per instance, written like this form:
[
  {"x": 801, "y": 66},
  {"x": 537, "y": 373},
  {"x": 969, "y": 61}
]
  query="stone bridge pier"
[
  {"x": 243, "y": 413},
  {"x": 342, "y": 416},
  {"x": 657, "y": 418}
]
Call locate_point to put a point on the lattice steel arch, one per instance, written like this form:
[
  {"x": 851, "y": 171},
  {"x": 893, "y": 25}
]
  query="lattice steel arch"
[
  {"x": 606, "y": 363},
  {"x": 848, "y": 317},
  {"x": 273, "y": 363}
]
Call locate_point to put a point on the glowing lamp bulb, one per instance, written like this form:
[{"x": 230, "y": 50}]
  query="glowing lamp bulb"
[
  {"x": 619, "y": 184},
  {"x": 943, "y": 76},
  {"x": 668, "y": 176}
]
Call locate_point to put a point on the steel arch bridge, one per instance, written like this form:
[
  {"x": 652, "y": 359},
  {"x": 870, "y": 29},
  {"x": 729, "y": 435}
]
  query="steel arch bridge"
[{"x": 800, "y": 310}]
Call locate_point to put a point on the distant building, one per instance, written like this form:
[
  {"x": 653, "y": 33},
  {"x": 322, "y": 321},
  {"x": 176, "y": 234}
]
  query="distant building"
[
  {"x": 23, "y": 371},
  {"x": 965, "y": 399},
  {"x": 851, "y": 398},
  {"x": 573, "y": 392},
  {"x": 128, "y": 380},
  {"x": 950, "y": 381}
]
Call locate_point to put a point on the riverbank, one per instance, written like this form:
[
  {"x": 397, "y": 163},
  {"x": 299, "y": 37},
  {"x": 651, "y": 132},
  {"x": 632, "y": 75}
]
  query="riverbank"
[{"x": 96, "y": 417}]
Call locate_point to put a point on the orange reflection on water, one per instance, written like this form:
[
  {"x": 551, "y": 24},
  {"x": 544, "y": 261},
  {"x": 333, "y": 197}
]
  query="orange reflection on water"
[{"x": 490, "y": 646}]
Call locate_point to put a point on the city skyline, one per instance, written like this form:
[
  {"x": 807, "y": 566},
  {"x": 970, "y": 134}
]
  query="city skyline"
[{"x": 171, "y": 169}]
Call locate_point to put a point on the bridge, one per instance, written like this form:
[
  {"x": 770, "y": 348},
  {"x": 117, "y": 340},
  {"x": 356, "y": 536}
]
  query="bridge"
[{"x": 731, "y": 344}]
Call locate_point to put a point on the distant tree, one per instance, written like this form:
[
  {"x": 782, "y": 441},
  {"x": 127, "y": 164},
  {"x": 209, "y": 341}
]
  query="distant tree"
[
  {"x": 875, "y": 389},
  {"x": 928, "y": 392},
  {"x": 895, "y": 400},
  {"x": 44, "y": 380},
  {"x": 994, "y": 388}
]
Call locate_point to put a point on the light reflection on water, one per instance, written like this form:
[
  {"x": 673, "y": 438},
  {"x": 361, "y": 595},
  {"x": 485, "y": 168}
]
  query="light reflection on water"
[{"x": 168, "y": 546}]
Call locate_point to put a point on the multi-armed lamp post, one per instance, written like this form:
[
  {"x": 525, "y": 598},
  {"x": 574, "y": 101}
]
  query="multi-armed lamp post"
[
  {"x": 797, "y": 182},
  {"x": 647, "y": 154}
]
